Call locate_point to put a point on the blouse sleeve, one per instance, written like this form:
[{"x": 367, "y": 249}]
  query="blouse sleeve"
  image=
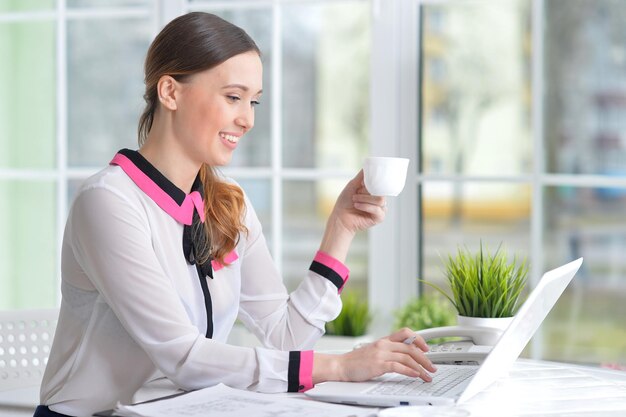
[
  {"x": 111, "y": 240},
  {"x": 281, "y": 320}
]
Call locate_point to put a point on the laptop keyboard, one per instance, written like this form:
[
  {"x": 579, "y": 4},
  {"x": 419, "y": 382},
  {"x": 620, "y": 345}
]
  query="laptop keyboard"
[{"x": 446, "y": 378}]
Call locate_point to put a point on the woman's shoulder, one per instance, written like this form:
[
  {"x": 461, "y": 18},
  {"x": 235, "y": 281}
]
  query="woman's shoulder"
[
  {"x": 107, "y": 197},
  {"x": 109, "y": 181}
]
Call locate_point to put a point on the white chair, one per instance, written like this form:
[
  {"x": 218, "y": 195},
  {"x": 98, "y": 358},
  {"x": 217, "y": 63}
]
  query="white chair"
[{"x": 25, "y": 340}]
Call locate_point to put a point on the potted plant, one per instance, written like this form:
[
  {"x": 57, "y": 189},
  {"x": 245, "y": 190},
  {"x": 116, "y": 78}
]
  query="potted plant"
[
  {"x": 486, "y": 287},
  {"x": 425, "y": 312},
  {"x": 350, "y": 327}
]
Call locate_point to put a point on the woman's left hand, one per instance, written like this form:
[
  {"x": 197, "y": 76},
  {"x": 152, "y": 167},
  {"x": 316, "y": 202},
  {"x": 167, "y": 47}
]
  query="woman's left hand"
[{"x": 356, "y": 209}]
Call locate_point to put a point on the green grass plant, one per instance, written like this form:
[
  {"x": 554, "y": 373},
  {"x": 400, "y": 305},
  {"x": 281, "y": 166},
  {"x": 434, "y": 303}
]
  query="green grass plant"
[
  {"x": 426, "y": 312},
  {"x": 484, "y": 284},
  {"x": 354, "y": 318}
]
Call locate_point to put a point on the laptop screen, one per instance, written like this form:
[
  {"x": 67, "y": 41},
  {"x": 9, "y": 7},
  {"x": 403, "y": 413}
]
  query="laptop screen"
[{"x": 523, "y": 327}]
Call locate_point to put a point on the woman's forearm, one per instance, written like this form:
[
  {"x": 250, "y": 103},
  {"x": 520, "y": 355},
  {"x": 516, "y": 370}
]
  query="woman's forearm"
[{"x": 337, "y": 240}]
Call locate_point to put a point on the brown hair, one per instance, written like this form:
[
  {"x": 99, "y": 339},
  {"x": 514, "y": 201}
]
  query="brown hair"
[{"x": 187, "y": 45}]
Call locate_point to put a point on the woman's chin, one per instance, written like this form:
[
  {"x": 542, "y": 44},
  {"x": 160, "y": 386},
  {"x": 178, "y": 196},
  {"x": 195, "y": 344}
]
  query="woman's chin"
[{"x": 220, "y": 162}]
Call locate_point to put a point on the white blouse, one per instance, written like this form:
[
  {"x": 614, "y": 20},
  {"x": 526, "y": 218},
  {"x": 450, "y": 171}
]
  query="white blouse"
[{"x": 134, "y": 308}]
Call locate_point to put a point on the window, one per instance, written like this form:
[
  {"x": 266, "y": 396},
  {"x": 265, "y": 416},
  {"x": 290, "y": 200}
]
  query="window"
[
  {"x": 68, "y": 107},
  {"x": 77, "y": 93},
  {"x": 512, "y": 112},
  {"x": 530, "y": 153}
]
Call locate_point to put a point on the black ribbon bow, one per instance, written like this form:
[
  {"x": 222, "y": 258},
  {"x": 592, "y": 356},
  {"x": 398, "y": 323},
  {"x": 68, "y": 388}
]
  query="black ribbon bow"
[{"x": 195, "y": 240}]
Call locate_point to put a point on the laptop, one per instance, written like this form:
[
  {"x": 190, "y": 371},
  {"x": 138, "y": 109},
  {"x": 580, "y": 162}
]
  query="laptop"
[{"x": 457, "y": 383}]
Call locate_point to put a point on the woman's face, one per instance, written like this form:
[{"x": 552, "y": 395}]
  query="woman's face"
[{"x": 215, "y": 108}]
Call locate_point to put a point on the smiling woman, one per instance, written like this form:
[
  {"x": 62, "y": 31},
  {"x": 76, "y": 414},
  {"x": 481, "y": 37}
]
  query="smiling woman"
[
  {"x": 161, "y": 254},
  {"x": 175, "y": 131}
]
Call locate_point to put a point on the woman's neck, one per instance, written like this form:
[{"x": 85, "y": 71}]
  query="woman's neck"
[{"x": 170, "y": 161}]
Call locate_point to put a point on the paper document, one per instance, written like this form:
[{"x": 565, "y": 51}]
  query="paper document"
[{"x": 222, "y": 401}]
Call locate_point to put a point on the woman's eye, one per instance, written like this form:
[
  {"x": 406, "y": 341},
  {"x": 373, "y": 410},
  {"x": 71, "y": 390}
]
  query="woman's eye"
[
  {"x": 233, "y": 98},
  {"x": 255, "y": 103}
]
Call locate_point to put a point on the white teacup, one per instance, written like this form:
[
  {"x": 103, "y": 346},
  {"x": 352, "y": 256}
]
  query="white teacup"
[{"x": 385, "y": 176}]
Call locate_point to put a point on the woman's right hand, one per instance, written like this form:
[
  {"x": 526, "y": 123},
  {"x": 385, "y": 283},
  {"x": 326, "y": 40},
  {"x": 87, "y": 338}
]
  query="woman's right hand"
[{"x": 389, "y": 354}]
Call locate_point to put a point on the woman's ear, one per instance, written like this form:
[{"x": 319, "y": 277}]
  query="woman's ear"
[{"x": 167, "y": 89}]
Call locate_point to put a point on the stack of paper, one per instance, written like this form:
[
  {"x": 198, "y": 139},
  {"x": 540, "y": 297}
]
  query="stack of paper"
[{"x": 222, "y": 401}]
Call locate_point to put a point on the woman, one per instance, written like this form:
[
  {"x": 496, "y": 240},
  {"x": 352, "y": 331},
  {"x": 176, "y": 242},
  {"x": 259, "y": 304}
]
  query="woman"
[{"x": 161, "y": 255}]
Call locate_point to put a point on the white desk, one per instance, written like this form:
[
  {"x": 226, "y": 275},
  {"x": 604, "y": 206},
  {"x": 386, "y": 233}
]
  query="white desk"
[
  {"x": 539, "y": 388},
  {"x": 533, "y": 388}
]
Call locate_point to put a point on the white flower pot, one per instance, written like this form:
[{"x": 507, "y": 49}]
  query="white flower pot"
[
  {"x": 500, "y": 323},
  {"x": 484, "y": 331}
]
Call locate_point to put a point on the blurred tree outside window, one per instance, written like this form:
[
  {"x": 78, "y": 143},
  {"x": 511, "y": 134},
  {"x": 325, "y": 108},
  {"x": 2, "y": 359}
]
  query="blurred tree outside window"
[{"x": 479, "y": 167}]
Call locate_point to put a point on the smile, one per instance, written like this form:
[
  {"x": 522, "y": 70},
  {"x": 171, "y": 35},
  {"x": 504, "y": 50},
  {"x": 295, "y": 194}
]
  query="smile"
[{"x": 230, "y": 138}]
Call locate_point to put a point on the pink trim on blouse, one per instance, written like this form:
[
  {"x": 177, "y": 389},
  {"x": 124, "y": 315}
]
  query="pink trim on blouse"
[
  {"x": 229, "y": 259},
  {"x": 306, "y": 370},
  {"x": 183, "y": 213}
]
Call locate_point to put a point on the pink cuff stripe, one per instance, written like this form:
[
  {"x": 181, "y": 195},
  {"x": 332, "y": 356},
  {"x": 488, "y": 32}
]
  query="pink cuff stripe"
[
  {"x": 183, "y": 213},
  {"x": 306, "y": 370},
  {"x": 342, "y": 271},
  {"x": 332, "y": 263}
]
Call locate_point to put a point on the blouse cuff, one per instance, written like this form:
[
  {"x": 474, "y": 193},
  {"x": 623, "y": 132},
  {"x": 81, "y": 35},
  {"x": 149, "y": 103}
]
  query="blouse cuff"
[
  {"x": 331, "y": 269},
  {"x": 300, "y": 373}
]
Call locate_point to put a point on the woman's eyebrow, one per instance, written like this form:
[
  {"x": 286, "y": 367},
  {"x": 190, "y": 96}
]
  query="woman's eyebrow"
[{"x": 240, "y": 86}]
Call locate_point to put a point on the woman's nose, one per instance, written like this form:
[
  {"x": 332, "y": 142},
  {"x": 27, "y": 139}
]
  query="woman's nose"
[{"x": 246, "y": 119}]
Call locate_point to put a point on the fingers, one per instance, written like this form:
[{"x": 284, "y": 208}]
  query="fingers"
[
  {"x": 418, "y": 356},
  {"x": 409, "y": 356},
  {"x": 407, "y": 366},
  {"x": 369, "y": 203},
  {"x": 414, "y": 345},
  {"x": 386, "y": 355},
  {"x": 405, "y": 333}
]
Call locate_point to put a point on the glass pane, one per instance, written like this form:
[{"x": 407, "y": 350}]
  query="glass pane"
[
  {"x": 27, "y": 244},
  {"x": 587, "y": 324},
  {"x": 585, "y": 99},
  {"x": 105, "y": 87},
  {"x": 476, "y": 88},
  {"x": 26, "y": 6},
  {"x": 27, "y": 96},
  {"x": 325, "y": 87},
  {"x": 260, "y": 194},
  {"x": 255, "y": 149},
  {"x": 307, "y": 205},
  {"x": 464, "y": 214},
  {"x": 107, "y": 3}
]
